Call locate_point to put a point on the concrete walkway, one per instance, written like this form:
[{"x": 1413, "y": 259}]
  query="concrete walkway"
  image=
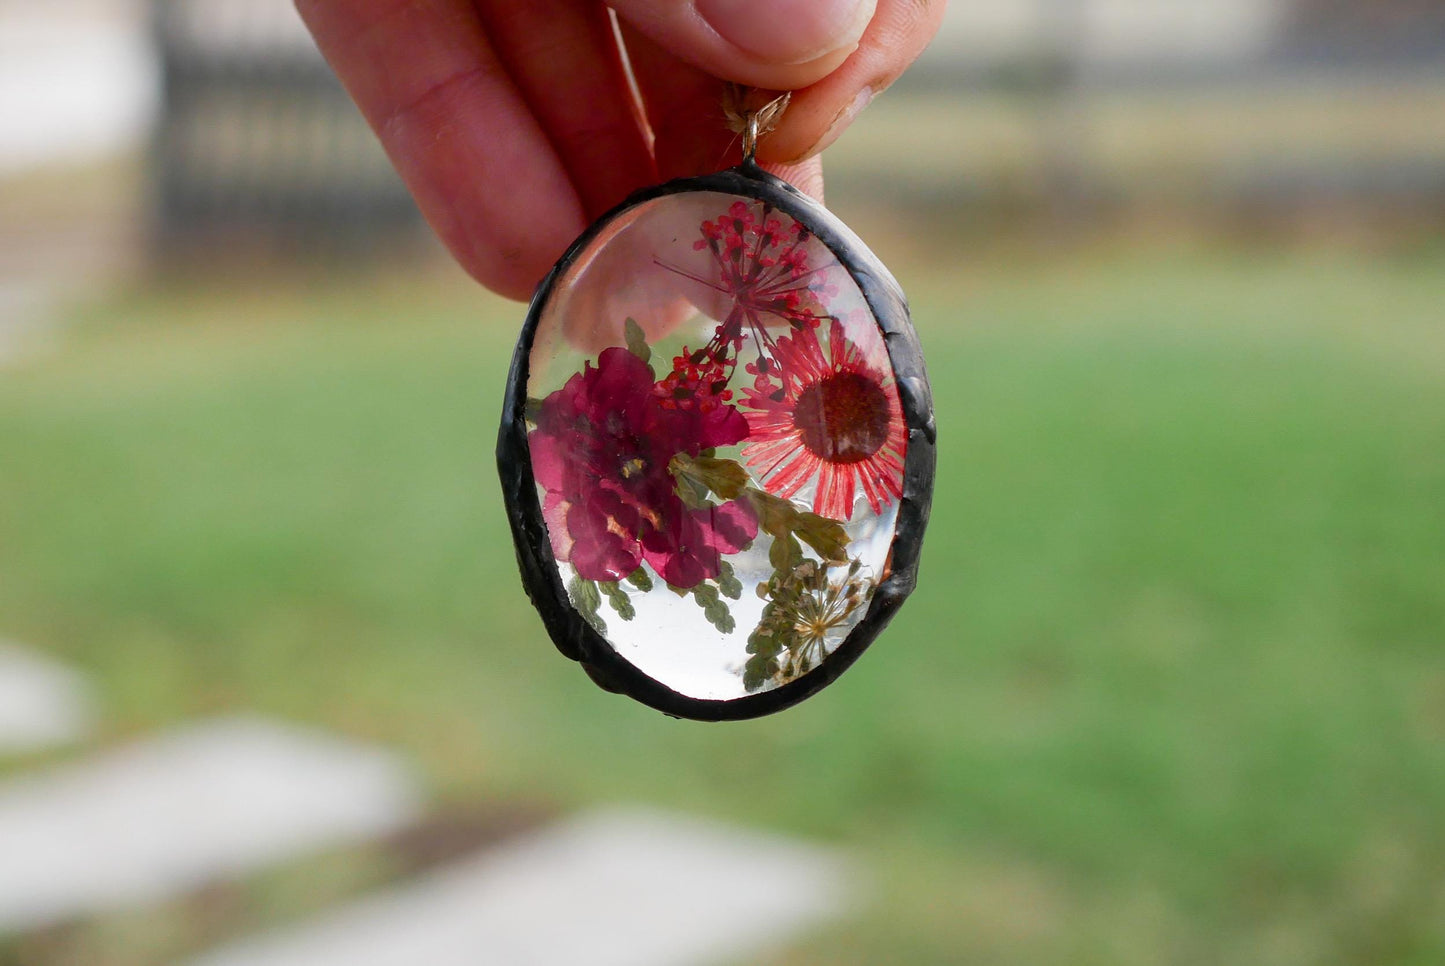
[
  {"x": 218, "y": 800},
  {"x": 616, "y": 888},
  {"x": 42, "y": 702},
  {"x": 162, "y": 817}
]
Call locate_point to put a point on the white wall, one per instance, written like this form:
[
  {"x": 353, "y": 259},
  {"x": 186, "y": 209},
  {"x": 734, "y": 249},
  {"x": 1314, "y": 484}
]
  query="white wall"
[{"x": 77, "y": 81}]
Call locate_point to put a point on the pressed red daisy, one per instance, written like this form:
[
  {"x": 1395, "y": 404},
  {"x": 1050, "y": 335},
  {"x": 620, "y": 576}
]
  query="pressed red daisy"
[{"x": 829, "y": 415}]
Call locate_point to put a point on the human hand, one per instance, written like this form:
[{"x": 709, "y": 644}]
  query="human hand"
[{"x": 514, "y": 126}]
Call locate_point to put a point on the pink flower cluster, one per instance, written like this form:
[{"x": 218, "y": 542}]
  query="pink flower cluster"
[
  {"x": 698, "y": 380},
  {"x": 764, "y": 265}
]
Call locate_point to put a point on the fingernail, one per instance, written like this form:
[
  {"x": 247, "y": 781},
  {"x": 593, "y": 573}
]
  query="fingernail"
[
  {"x": 788, "y": 31},
  {"x": 843, "y": 119}
]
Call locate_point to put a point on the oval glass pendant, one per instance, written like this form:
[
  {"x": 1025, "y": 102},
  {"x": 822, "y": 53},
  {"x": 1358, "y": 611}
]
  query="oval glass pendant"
[{"x": 717, "y": 447}]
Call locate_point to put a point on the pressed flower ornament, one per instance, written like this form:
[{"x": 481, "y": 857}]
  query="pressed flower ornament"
[{"x": 717, "y": 445}]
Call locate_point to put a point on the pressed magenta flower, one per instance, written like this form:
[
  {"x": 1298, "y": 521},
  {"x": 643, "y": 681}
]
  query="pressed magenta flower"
[
  {"x": 601, "y": 451},
  {"x": 827, "y": 417}
]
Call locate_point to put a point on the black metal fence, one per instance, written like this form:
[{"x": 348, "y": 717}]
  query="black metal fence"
[{"x": 257, "y": 144}]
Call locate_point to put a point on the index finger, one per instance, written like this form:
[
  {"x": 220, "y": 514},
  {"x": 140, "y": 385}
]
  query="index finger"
[{"x": 476, "y": 160}]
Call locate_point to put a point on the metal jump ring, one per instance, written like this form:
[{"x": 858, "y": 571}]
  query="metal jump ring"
[
  {"x": 751, "y": 123},
  {"x": 750, "y": 136}
]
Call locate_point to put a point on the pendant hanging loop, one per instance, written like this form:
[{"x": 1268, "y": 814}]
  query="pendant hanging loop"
[
  {"x": 745, "y": 116},
  {"x": 750, "y": 138}
]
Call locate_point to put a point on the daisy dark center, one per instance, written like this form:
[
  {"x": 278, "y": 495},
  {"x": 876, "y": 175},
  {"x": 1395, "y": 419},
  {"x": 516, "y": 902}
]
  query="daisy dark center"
[{"x": 842, "y": 418}]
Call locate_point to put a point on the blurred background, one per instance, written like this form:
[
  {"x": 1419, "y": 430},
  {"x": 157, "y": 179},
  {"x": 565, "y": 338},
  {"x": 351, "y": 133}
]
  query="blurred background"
[{"x": 1172, "y": 688}]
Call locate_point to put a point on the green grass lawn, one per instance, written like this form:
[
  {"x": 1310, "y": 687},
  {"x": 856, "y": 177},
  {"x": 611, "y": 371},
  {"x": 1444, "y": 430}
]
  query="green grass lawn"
[{"x": 1172, "y": 688}]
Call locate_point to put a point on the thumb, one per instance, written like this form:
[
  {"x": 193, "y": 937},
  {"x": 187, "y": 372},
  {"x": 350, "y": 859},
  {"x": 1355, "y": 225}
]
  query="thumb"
[{"x": 776, "y": 44}]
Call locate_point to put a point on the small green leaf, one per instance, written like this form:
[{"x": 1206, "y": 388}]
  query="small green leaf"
[
  {"x": 785, "y": 553},
  {"x": 775, "y": 515},
  {"x": 728, "y": 583},
  {"x": 587, "y": 599},
  {"x": 716, "y": 612},
  {"x": 636, "y": 339},
  {"x": 757, "y": 671},
  {"x": 639, "y": 579},
  {"x": 720, "y": 617},
  {"x": 726, "y": 478},
  {"x": 824, "y": 535},
  {"x": 618, "y": 598},
  {"x": 692, "y": 493}
]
